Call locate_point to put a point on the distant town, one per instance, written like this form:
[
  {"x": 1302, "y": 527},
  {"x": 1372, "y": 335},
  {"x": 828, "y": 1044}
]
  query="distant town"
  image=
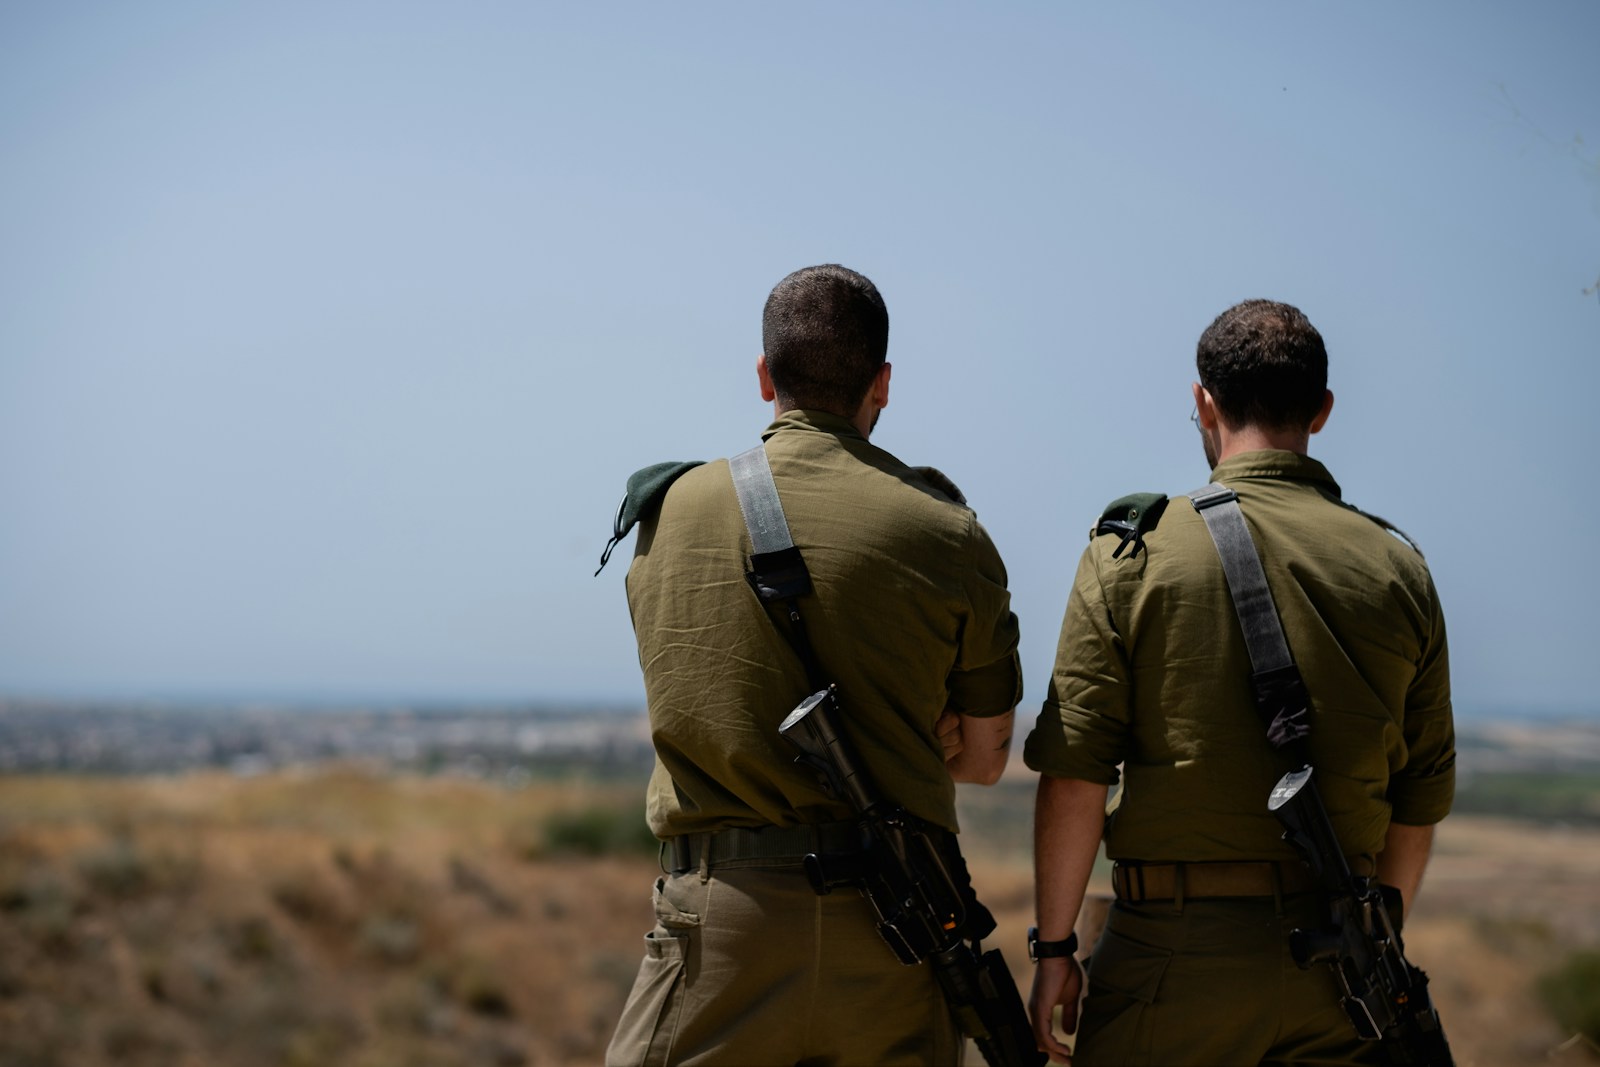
[
  {"x": 480, "y": 742},
  {"x": 477, "y": 741}
]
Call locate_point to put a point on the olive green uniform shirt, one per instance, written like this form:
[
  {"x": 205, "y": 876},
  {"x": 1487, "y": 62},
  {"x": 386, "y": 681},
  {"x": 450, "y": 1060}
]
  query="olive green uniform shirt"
[
  {"x": 910, "y": 615},
  {"x": 1152, "y": 674}
]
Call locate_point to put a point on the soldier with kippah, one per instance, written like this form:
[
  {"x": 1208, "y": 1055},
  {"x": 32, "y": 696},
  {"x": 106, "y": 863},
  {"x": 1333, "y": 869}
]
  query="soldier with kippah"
[{"x": 1153, "y": 688}]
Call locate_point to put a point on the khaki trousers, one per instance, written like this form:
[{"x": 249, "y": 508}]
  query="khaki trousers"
[
  {"x": 1212, "y": 984},
  {"x": 750, "y": 967}
]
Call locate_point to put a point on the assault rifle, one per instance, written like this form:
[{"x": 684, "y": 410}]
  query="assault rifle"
[
  {"x": 925, "y": 912},
  {"x": 1385, "y": 996}
]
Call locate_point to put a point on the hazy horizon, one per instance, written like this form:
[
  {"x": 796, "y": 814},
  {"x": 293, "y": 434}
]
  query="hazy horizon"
[{"x": 313, "y": 703}]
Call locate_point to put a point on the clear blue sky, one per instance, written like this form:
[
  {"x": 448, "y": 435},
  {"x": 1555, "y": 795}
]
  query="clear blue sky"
[{"x": 330, "y": 332}]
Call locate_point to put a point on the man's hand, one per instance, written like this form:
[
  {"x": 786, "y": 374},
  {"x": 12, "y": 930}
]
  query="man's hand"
[
  {"x": 949, "y": 730},
  {"x": 1068, "y": 818},
  {"x": 975, "y": 746},
  {"x": 1056, "y": 980}
]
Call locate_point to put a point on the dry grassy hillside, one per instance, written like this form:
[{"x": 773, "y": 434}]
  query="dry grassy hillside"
[{"x": 339, "y": 917}]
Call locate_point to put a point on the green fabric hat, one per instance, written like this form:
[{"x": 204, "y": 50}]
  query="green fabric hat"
[
  {"x": 1130, "y": 517},
  {"x": 646, "y": 487}
]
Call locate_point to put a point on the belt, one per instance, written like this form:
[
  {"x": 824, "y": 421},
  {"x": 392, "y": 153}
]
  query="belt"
[
  {"x": 1136, "y": 882},
  {"x": 748, "y": 846}
]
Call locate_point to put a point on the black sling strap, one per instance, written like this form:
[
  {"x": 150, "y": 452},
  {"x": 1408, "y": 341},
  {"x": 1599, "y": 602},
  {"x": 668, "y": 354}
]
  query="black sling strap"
[
  {"x": 777, "y": 572},
  {"x": 1280, "y": 693}
]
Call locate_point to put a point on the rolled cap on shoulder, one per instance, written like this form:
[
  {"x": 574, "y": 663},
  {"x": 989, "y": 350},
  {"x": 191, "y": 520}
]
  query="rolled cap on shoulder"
[
  {"x": 1130, "y": 518},
  {"x": 646, "y": 487}
]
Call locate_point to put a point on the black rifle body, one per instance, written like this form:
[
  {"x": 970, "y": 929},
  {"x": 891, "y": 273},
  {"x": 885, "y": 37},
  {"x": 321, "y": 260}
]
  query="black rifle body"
[
  {"x": 922, "y": 907},
  {"x": 1385, "y": 996}
]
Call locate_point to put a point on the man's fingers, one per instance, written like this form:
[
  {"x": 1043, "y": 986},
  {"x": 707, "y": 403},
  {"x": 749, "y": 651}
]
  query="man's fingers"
[
  {"x": 1049, "y": 1043},
  {"x": 1046, "y": 994},
  {"x": 1069, "y": 1016},
  {"x": 948, "y": 727},
  {"x": 1069, "y": 997}
]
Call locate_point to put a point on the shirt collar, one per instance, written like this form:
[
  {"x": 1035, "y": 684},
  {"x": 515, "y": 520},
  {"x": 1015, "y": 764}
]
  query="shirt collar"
[
  {"x": 1274, "y": 463},
  {"x": 816, "y": 421}
]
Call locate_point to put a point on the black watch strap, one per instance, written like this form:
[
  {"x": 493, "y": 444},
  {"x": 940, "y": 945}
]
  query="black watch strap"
[{"x": 1043, "y": 950}]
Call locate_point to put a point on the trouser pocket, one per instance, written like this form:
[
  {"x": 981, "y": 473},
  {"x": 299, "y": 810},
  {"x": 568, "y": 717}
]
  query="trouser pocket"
[
  {"x": 1124, "y": 977},
  {"x": 650, "y": 1017}
]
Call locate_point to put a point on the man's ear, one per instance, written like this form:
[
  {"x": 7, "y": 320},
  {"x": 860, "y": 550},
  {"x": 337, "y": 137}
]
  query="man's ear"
[
  {"x": 768, "y": 393},
  {"x": 1322, "y": 415},
  {"x": 880, "y": 387},
  {"x": 1205, "y": 408}
]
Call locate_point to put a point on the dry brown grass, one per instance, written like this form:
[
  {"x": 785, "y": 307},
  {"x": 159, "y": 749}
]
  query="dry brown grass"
[
  {"x": 327, "y": 918},
  {"x": 342, "y": 917}
]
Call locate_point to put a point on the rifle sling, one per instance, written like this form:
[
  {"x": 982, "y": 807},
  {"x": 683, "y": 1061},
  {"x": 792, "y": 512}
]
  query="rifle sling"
[
  {"x": 777, "y": 571},
  {"x": 778, "y": 575},
  {"x": 1280, "y": 693}
]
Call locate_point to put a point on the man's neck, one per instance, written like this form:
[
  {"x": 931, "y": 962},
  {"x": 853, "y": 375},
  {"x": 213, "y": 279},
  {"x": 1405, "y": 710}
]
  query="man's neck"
[
  {"x": 1252, "y": 438},
  {"x": 862, "y": 420}
]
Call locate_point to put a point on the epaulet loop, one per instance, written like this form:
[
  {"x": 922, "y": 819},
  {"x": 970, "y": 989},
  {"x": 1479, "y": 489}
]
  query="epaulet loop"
[{"x": 1392, "y": 528}]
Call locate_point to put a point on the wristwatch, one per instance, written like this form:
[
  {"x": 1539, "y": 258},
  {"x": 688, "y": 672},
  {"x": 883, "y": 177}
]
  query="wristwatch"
[{"x": 1043, "y": 950}]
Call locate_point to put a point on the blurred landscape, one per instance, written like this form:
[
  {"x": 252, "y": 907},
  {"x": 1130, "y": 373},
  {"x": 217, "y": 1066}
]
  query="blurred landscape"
[{"x": 446, "y": 887}]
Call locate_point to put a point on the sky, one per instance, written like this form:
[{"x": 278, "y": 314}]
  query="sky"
[{"x": 330, "y": 333}]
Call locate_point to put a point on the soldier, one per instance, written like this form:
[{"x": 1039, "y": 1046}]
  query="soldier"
[
  {"x": 1152, "y": 676},
  {"x": 747, "y": 964}
]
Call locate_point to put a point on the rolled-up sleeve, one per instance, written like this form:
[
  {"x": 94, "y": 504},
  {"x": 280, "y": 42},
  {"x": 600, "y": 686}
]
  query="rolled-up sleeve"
[
  {"x": 1083, "y": 728},
  {"x": 987, "y": 677},
  {"x": 1420, "y": 793}
]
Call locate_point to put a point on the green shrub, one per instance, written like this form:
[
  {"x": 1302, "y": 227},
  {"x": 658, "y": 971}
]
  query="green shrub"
[
  {"x": 1572, "y": 993},
  {"x": 123, "y": 868},
  {"x": 46, "y": 909},
  {"x": 250, "y": 939},
  {"x": 303, "y": 896},
  {"x": 598, "y": 831},
  {"x": 390, "y": 938},
  {"x": 481, "y": 989},
  {"x": 118, "y": 868},
  {"x": 324, "y": 1043},
  {"x": 415, "y": 1004},
  {"x": 1547, "y": 796},
  {"x": 131, "y": 1039}
]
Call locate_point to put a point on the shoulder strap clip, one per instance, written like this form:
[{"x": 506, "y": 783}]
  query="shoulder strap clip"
[{"x": 1210, "y": 496}]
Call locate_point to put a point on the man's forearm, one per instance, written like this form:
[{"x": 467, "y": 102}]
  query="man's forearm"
[
  {"x": 1403, "y": 859},
  {"x": 1069, "y": 817}
]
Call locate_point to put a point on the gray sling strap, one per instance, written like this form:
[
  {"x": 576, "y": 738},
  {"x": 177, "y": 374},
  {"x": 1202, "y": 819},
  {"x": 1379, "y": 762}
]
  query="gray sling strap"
[
  {"x": 777, "y": 571},
  {"x": 1247, "y": 582},
  {"x": 1281, "y": 696},
  {"x": 758, "y": 500}
]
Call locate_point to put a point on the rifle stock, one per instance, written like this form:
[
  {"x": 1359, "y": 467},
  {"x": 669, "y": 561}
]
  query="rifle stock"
[
  {"x": 1384, "y": 994},
  {"x": 924, "y": 911}
]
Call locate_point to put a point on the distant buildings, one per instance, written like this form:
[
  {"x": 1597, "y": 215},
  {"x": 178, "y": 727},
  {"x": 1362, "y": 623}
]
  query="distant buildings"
[{"x": 507, "y": 744}]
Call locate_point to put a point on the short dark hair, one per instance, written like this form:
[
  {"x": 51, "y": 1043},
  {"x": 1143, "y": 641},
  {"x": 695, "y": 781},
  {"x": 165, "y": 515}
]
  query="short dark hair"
[
  {"x": 825, "y": 333},
  {"x": 1265, "y": 365}
]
